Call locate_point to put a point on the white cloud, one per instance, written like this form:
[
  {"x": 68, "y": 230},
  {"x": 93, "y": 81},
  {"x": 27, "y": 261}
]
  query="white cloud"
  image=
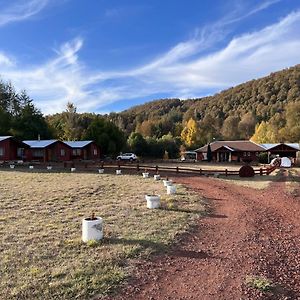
[
  {"x": 20, "y": 10},
  {"x": 182, "y": 71}
]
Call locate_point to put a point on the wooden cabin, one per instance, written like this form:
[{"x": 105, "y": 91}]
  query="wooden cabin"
[
  {"x": 47, "y": 151},
  {"x": 11, "y": 149},
  {"x": 84, "y": 150},
  {"x": 231, "y": 151}
]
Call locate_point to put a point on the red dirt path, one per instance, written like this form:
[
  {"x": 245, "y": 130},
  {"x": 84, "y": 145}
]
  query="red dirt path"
[{"x": 249, "y": 232}]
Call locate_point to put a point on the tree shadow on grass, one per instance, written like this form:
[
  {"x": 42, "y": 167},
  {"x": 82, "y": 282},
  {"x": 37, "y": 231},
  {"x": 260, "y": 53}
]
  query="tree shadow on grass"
[
  {"x": 183, "y": 210},
  {"x": 143, "y": 243}
]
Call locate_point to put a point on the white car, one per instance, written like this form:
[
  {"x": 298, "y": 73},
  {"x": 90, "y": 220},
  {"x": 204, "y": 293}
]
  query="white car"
[{"x": 127, "y": 156}]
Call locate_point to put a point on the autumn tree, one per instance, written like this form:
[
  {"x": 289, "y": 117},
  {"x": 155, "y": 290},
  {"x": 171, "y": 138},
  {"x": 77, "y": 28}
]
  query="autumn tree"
[
  {"x": 230, "y": 129},
  {"x": 247, "y": 125},
  {"x": 190, "y": 133},
  {"x": 292, "y": 128}
]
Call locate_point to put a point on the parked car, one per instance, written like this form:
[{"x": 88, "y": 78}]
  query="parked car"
[{"x": 127, "y": 156}]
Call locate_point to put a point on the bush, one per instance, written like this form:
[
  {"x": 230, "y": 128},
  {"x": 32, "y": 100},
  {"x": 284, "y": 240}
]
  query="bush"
[{"x": 263, "y": 158}]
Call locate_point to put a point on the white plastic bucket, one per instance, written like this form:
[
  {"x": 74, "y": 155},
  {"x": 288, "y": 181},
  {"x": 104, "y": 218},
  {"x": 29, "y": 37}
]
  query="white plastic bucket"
[
  {"x": 171, "y": 189},
  {"x": 156, "y": 177},
  {"x": 73, "y": 169},
  {"x": 153, "y": 201},
  {"x": 31, "y": 167},
  {"x": 49, "y": 168},
  {"x": 92, "y": 229},
  {"x": 101, "y": 171},
  {"x": 167, "y": 182},
  {"x": 12, "y": 166},
  {"x": 118, "y": 172},
  {"x": 145, "y": 175}
]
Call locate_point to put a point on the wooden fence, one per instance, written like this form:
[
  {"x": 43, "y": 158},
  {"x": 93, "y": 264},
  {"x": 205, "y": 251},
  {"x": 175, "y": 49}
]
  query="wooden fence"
[{"x": 137, "y": 167}]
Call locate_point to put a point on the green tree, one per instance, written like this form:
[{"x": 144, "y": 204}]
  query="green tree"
[
  {"x": 209, "y": 153},
  {"x": 137, "y": 143},
  {"x": 71, "y": 127},
  {"x": 106, "y": 134}
]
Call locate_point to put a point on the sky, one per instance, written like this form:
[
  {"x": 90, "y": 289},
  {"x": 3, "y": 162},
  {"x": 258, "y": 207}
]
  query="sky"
[{"x": 107, "y": 56}]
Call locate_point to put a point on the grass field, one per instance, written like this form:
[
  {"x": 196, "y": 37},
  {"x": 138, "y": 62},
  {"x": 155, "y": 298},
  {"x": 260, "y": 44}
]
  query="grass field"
[{"x": 42, "y": 256}]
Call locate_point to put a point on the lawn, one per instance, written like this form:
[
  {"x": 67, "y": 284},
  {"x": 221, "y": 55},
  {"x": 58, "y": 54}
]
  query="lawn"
[{"x": 42, "y": 256}]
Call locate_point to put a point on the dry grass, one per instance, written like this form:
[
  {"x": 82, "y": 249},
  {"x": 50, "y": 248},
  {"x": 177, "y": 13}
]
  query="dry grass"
[
  {"x": 292, "y": 183},
  {"x": 42, "y": 256},
  {"x": 256, "y": 182}
]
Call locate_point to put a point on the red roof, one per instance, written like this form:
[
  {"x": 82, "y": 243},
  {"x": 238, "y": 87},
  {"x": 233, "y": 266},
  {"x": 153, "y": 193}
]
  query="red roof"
[{"x": 233, "y": 146}]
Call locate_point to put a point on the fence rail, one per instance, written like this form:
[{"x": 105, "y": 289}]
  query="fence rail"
[{"x": 136, "y": 167}]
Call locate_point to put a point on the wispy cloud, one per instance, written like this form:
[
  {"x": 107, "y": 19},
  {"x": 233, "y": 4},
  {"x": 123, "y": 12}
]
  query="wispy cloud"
[
  {"x": 185, "y": 70},
  {"x": 15, "y": 11}
]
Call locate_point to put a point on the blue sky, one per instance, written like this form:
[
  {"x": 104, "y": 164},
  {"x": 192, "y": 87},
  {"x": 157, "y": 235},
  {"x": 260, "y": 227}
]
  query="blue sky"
[{"x": 110, "y": 55}]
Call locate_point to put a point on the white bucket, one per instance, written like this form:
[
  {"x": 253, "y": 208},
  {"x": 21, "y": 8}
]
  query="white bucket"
[
  {"x": 145, "y": 175},
  {"x": 167, "y": 182},
  {"x": 118, "y": 172},
  {"x": 12, "y": 166},
  {"x": 49, "y": 168},
  {"x": 101, "y": 171},
  {"x": 92, "y": 229},
  {"x": 171, "y": 189},
  {"x": 31, "y": 167},
  {"x": 73, "y": 169},
  {"x": 153, "y": 201},
  {"x": 156, "y": 177}
]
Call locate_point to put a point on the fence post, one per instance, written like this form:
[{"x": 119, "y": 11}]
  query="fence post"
[
  {"x": 177, "y": 170},
  {"x": 261, "y": 172},
  {"x": 119, "y": 165},
  {"x": 156, "y": 169},
  {"x": 137, "y": 166},
  {"x": 226, "y": 172},
  {"x": 200, "y": 171},
  {"x": 102, "y": 164}
]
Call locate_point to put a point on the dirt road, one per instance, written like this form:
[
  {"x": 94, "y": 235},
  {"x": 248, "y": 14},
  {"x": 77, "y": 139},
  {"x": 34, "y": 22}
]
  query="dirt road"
[{"x": 249, "y": 233}]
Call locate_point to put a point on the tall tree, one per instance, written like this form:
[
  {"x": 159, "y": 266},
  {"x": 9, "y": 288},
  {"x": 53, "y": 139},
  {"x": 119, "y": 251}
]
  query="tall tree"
[{"x": 71, "y": 125}]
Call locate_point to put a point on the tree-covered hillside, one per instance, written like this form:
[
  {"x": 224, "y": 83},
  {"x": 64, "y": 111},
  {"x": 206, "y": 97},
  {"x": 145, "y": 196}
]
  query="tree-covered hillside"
[{"x": 231, "y": 114}]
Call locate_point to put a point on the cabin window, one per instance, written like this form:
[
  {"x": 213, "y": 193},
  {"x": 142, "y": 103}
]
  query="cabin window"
[
  {"x": 62, "y": 152},
  {"x": 38, "y": 153},
  {"x": 20, "y": 152},
  {"x": 248, "y": 153},
  {"x": 1, "y": 151},
  {"x": 76, "y": 152},
  {"x": 244, "y": 153},
  {"x": 95, "y": 151}
]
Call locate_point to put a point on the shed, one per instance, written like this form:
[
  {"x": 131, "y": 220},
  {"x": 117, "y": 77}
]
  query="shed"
[
  {"x": 227, "y": 151},
  {"x": 47, "y": 150},
  {"x": 11, "y": 148},
  {"x": 281, "y": 149},
  {"x": 84, "y": 150}
]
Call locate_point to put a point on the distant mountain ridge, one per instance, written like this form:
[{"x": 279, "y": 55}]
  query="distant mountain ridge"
[{"x": 252, "y": 102}]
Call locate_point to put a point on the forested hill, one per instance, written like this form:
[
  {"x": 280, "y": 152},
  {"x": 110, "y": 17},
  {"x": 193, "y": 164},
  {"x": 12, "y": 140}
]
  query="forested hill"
[{"x": 230, "y": 114}]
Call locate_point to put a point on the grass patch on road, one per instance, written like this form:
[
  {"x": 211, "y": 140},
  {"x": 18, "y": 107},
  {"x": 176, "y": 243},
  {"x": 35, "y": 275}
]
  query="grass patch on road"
[
  {"x": 41, "y": 253},
  {"x": 256, "y": 182},
  {"x": 260, "y": 283},
  {"x": 292, "y": 183}
]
